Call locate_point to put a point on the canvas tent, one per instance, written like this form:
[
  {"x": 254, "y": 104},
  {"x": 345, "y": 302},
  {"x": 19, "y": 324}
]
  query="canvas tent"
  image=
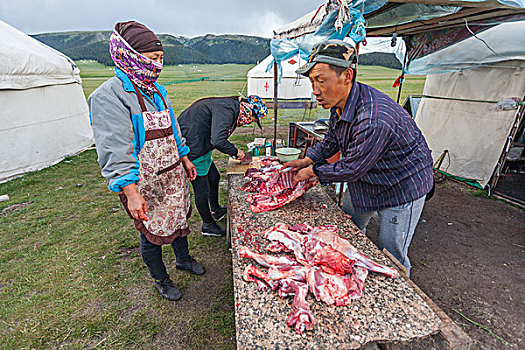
[
  {"x": 44, "y": 114},
  {"x": 291, "y": 85},
  {"x": 474, "y": 133},
  {"x": 466, "y": 57}
]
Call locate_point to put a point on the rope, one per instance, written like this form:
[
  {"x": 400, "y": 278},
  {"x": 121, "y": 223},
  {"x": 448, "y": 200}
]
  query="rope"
[
  {"x": 186, "y": 81},
  {"x": 483, "y": 41},
  {"x": 519, "y": 103}
]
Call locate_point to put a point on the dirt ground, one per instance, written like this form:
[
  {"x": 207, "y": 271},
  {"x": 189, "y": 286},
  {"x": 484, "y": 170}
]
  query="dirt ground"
[{"x": 468, "y": 256}]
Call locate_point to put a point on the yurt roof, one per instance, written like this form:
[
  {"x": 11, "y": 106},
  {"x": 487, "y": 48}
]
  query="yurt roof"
[
  {"x": 288, "y": 67},
  {"x": 27, "y": 63}
]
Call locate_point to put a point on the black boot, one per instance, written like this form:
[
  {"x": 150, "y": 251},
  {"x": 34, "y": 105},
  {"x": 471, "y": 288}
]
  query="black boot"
[
  {"x": 213, "y": 229},
  {"x": 218, "y": 214},
  {"x": 167, "y": 289},
  {"x": 191, "y": 265}
]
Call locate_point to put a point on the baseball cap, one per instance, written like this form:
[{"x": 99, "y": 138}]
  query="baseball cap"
[{"x": 334, "y": 52}]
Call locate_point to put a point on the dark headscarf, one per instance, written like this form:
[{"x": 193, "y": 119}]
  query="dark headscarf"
[
  {"x": 142, "y": 71},
  {"x": 140, "y": 37}
]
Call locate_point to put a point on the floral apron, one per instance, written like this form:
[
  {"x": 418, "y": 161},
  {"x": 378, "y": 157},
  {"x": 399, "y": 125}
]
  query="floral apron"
[{"x": 163, "y": 180}]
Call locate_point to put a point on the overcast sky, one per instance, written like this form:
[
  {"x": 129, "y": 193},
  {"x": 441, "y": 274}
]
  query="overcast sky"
[{"x": 188, "y": 18}]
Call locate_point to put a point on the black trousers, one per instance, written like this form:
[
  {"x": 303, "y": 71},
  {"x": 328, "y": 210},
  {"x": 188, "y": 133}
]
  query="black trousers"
[
  {"x": 152, "y": 255},
  {"x": 206, "y": 191}
]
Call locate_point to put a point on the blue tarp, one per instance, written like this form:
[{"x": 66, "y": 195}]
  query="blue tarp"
[{"x": 283, "y": 49}]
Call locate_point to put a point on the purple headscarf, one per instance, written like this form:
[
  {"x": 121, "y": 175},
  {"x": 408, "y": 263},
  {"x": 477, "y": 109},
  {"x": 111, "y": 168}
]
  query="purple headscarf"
[{"x": 140, "y": 69}]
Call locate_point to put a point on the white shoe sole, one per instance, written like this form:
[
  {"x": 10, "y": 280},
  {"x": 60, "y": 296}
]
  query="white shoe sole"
[{"x": 212, "y": 234}]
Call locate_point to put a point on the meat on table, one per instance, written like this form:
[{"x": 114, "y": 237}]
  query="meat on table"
[
  {"x": 389, "y": 310},
  {"x": 272, "y": 186},
  {"x": 325, "y": 263}
]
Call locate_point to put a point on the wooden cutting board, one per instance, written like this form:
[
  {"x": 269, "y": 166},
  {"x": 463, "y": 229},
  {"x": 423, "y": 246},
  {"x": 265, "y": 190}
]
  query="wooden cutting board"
[{"x": 235, "y": 166}]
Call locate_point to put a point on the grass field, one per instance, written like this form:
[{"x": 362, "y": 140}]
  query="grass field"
[{"x": 71, "y": 273}]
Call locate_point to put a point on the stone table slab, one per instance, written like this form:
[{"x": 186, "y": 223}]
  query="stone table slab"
[{"x": 389, "y": 310}]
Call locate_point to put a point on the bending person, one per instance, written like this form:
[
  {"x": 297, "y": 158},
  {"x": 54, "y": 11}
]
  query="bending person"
[
  {"x": 142, "y": 153},
  {"x": 206, "y": 125}
]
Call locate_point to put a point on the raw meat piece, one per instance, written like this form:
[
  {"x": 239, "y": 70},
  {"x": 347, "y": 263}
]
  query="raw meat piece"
[
  {"x": 267, "y": 160},
  {"x": 266, "y": 260},
  {"x": 276, "y": 247},
  {"x": 273, "y": 187},
  {"x": 277, "y": 183},
  {"x": 252, "y": 186},
  {"x": 325, "y": 264},
  {"x": 333, "y": 262},
  {"x": 343, "y": 246},
  {"x": 260, "y": 203},
  {"x": 327, "y": 235},
  {"x": 289, "y": 239},
  {"x": 337, "y": 289},
  {"x": 296, "y": 273},
  {"x": 300, "y": 318},
  {"x": 250, "y": 271},
  {"x": 256, "y": 177}
]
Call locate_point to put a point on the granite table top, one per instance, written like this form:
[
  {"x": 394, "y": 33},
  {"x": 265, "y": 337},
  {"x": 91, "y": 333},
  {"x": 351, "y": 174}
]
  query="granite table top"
[{"x": 389, "y": 310}]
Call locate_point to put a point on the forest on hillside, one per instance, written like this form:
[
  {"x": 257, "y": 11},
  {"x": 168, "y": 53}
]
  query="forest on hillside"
[{"x": 207, "y": 49}]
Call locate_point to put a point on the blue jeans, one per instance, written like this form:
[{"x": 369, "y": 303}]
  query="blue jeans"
[
  {"x": 152, "y": 255},
  {"x": 396, "y": 225}
]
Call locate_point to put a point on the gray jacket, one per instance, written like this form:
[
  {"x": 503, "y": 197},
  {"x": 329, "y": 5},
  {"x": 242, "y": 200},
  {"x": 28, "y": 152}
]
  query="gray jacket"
[{"x": 118, "y": 128}]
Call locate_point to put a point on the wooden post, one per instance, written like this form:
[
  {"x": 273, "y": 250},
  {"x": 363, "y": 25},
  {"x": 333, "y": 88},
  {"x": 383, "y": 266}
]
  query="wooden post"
[{"x": 275, "y": 104}]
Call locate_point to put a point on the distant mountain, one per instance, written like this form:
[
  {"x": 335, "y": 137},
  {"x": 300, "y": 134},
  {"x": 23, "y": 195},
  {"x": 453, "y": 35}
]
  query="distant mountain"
[
  {"x": 218, "y": 49},
  {"x": 212, "y": 49},
  {"x": 388, "y": 60}
]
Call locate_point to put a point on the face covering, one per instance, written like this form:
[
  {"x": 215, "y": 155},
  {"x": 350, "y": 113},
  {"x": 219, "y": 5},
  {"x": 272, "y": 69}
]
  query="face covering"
[
  {"x": 245, "y": 114},
  {"x": 141, "y": 70}
]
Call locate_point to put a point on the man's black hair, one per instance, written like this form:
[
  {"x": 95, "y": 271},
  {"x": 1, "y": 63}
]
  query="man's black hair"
[{"x": 340, "y": 70}]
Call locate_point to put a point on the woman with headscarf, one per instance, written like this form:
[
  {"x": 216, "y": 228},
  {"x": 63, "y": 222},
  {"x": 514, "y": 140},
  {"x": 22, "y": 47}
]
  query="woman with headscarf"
[
  {"x": 206, "y": 125},
  {"x": 142, "y": 153}
]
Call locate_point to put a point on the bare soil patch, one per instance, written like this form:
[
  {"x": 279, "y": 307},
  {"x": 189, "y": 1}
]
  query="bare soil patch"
[
  {"x": 468, "y": 256},
  {"x": 14, "y": 208}
]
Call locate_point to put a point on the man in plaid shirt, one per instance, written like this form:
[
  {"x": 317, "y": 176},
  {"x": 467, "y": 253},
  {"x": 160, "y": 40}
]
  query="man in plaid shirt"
[{"x": 385, "y": 160}]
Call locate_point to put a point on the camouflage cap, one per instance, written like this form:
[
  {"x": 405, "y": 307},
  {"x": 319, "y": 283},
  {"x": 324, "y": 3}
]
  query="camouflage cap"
[{"x": 333, "y": 52}]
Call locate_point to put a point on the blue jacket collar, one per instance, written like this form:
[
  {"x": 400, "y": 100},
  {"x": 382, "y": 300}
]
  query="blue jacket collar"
[
  {"x": 349, "y": 110},
  {"x": 126, "y": 83}
]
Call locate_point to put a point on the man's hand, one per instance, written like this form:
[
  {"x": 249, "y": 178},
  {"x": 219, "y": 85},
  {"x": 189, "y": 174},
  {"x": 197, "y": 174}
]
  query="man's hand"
[
  {"x": 303, "y": 174},
  {"x": 136, "y": 203},
  {"x": 240, "y": 155},
  {"x": 298, "y": 164},
  {"x": 190, "y": 168}
]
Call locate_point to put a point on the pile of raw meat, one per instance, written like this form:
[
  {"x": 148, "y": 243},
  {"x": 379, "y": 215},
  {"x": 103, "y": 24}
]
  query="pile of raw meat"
[
  {"x": 273, "y": 187},
  {"x": 324, "y": 263}
]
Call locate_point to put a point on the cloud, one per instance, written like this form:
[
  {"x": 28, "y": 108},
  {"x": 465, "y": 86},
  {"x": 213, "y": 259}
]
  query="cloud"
[{"x": 162, "y": 16}]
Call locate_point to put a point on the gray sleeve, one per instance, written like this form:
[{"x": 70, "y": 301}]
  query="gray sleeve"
[{"x": 113, "y": 134}]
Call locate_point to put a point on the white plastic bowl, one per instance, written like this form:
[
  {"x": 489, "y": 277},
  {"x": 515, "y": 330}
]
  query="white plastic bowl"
[{"x": 287, "y": 154}]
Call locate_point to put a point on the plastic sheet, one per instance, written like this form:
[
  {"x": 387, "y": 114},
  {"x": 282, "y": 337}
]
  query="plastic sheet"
[
  {"x": 501, "y": 43},
  {"x": 354, "y": 28}
]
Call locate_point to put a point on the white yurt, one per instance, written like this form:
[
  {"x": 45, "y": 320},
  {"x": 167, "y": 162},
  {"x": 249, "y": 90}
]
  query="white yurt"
[
  {"x": 44, "y": 114},
  {"x": 292, "y": 86},
  {"x": 452, "y": 114}
]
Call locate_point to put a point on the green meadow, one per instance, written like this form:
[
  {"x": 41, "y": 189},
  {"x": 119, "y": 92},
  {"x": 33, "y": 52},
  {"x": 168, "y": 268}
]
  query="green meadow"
[{"x": 71, "y": 273}]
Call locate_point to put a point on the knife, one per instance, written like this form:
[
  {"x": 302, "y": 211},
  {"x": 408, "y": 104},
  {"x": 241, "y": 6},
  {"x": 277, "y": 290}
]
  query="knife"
[{"x": 248, "y": 156}]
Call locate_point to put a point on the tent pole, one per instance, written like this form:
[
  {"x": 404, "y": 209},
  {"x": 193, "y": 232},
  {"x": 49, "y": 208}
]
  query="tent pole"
[
  {"x": 275, "y": 104},
  {"x": 402, "y": 77},
  {"x": 520, "y": 114}
]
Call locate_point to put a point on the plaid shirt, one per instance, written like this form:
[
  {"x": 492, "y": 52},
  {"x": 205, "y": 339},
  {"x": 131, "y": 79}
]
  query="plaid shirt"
[{"x": 385, "y": 159}]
